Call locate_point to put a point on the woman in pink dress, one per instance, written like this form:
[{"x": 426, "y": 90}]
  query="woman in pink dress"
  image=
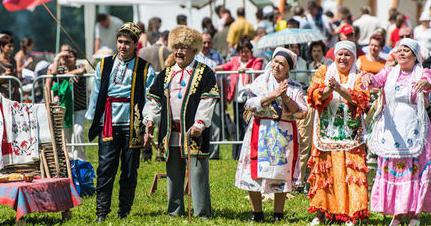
[{"x": 399, "y": 137}]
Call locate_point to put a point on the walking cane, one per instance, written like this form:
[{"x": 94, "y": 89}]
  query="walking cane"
[{"x": 189, "y": 179}]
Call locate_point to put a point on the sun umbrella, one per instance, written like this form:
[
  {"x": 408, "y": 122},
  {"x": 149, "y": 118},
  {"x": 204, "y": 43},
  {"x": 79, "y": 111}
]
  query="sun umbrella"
[
  {"x": 16, "y": 5},
  {"x": 289, "y": 36}
]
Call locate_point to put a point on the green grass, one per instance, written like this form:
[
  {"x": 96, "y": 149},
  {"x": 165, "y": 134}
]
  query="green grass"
[{"x": 230, "y": 205}]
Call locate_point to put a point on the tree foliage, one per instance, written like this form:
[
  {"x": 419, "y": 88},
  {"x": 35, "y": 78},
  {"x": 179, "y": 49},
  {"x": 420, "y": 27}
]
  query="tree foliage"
[{"x": 39, "y": 25}]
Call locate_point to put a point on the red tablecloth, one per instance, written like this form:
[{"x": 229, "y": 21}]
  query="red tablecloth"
[{"x": 41, "y": 195}]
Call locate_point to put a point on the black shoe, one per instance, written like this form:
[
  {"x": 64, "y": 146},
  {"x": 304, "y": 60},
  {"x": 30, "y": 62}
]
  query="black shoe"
[
  {"x": 123, "y": 215},
  {"x": 257, "y": 217},
  {"x": 278, "y": 217},
  {"x": 100, "y": 219},
  {"x": 160, "y": 159}
]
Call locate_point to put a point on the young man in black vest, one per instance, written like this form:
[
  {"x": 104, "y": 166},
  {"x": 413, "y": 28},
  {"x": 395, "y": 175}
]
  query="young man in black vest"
[
  {"x": 116, "y": 105},
  {"x": 184, "y": 96}
]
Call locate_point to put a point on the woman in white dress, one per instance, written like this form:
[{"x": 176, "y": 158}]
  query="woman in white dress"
[{"x": 270, "y": 147}]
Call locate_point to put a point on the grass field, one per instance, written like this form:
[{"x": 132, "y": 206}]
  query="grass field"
[{"x": 230, "y": 205}]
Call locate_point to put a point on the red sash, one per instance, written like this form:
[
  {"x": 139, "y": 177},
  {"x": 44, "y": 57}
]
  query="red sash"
[{"x": 107, "y": 124}]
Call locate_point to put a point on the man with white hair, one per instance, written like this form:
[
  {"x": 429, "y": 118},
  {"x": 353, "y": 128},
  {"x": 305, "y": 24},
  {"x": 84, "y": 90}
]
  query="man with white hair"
[{"x": 183, "y": 96}]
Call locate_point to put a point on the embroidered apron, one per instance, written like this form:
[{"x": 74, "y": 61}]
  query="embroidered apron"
[
  {"x": 335, "y": 129},
  {"x": 401, "y": 129},
  {"x": 274, "y": 141}
]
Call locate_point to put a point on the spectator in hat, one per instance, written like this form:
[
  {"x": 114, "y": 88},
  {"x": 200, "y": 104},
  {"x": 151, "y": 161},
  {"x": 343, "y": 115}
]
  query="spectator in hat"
[{"x": 345, "y": 32}]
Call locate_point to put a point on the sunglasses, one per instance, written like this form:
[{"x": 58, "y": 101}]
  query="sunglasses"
[
  {"x": 405, "y": 36},
  {"x": 180, "y": 46}
]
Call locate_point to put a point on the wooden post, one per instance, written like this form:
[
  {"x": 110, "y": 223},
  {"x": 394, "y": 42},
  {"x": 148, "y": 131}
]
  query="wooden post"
[
  {"x": 394, "y": 4},
  {"x": 281, "y": 5},
  {"x": 372, "y": 4},
  {"x": 419, "y": 8},
  {"x": 211, "y": 9}
]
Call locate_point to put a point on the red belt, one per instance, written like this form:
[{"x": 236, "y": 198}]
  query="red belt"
[{"x": 107, "y": 124}]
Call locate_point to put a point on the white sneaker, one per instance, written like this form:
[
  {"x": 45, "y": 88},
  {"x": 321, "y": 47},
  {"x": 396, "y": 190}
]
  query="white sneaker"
[
  {"x": 414, "y": 222},
  {"x": 349, "y": 223},
  {"x": 315, "y": 222},
  {"x": 395, "y": 222}
]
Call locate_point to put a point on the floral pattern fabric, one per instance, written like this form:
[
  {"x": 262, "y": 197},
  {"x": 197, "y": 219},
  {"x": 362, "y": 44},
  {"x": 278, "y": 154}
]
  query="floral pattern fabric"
[
  {"x": 402, "y": 184},
  {"x": 22, "y": 130},
  {"x": 338, "y": 183},
  {"x": 270, "y": 146},
  {"x": 275, "y": 158},
  {"x": 275, "y": 144}
]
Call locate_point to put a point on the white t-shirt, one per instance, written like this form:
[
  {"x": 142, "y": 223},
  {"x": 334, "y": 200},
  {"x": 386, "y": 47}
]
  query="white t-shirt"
[
  {"x": 108, "y": 36},
  {"x": 423, "y": 36},
  {"x": 367, "y": 25}
]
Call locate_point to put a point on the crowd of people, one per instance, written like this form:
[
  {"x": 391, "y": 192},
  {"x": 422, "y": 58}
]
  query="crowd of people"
[{"x": 360, "y": 96}]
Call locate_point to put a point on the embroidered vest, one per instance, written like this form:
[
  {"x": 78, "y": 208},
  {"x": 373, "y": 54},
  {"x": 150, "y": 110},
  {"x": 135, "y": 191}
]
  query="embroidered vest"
[
  {"x": 202, "y": 84},
  {"x": 137, "y": 100}
]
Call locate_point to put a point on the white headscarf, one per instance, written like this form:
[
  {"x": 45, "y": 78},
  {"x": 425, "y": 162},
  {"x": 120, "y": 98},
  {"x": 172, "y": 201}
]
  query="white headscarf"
[
  {"x": 292, "y": 55},
  {"x": 348, "y": 45},
  {"x": 414, "y": 46}
]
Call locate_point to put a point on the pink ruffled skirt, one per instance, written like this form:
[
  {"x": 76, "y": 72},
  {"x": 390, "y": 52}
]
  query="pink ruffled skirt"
[{"x": 403, "y": 186}]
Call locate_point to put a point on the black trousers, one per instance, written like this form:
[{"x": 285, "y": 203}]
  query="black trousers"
[
  {"x": 242, "y": 126},
  {"x": 110, "y": 153}
]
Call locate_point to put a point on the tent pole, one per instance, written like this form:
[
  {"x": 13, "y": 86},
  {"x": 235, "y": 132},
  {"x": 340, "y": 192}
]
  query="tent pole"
[
  {"x": 189, "y": 7},
  {"x": 57, "y": 38},
  {"x": 211, "y": 9}
]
